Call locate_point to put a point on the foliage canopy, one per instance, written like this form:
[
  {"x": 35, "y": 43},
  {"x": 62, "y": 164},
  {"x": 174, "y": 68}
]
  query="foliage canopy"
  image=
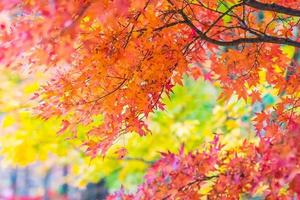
[{"x": 118, "y": 58}]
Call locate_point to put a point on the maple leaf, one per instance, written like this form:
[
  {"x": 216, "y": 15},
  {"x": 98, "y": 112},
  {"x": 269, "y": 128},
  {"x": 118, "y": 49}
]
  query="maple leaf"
[
  {"x": 121, "y": 152},
  {"x": 196, "y": 72},
  {"x": 65, "y": 125},
  {"x": 255, "y": 96}
]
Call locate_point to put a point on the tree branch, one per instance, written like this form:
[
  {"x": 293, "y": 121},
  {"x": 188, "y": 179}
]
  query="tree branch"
[
  {"x": 272, "y": 7},
  {"x": 107, "y": 94},
  {"x": 192, "y": 183},
  {"x": 221, "y": 16},
  {"x": 258, "y": 39},
  {"x": 78, "y": 16}
]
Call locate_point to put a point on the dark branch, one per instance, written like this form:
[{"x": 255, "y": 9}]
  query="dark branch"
[
  {"x": 77, "y": 18},
  {"x": 258, "y": 39},
  {"x": 221, "y": 16},
  {"x": 182, "y": 188},
  {"x": 272, "y": 7},
  {"x": 107, "y": 94}
]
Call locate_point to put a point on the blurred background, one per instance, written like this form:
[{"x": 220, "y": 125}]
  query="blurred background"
[{"x": 36, "y": 163}]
